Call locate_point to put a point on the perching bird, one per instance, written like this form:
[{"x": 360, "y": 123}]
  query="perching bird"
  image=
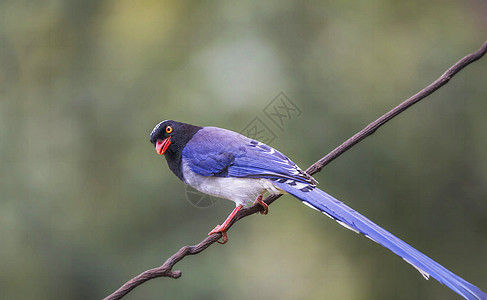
[{"x": 226, "y": 164}]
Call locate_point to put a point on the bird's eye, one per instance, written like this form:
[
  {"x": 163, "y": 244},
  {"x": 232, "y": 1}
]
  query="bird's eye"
[{"x": 168, "y": 129}]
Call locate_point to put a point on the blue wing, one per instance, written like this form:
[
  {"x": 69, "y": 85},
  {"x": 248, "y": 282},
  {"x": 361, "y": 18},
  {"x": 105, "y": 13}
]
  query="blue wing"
[
  {"x": 321, "y": 201},
  {"x": 223, "y": 153}
]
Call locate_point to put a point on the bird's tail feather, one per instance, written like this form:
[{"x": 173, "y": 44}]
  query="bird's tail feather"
[{"x": 321, "y": 201}]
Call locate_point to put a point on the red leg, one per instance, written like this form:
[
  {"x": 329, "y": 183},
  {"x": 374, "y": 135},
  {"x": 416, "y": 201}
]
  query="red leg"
[
  {"x": 223, "y": 228},
  {"x": 263, "y": 204}
]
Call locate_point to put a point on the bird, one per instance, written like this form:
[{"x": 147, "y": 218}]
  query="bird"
[{"x": 226, "y": 164}]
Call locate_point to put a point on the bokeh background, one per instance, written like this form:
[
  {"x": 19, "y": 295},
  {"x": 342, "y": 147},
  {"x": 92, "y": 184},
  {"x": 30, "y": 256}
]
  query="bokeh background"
[{"x": 86, "y": 204}]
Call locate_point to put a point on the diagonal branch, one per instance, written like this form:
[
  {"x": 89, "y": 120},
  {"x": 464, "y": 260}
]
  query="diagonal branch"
[{"x": 166, "y": 269}]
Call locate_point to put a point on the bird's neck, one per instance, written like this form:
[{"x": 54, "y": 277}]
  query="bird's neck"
[
  {"x": 174, "y": 152},
  {"x": 174, "y": 162}
]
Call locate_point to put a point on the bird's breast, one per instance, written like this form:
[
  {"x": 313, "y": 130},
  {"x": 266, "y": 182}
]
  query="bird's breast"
[{"x": 242, "y": 191}]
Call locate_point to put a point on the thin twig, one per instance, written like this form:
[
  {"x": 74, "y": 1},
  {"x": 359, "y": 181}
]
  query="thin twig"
[{"x": 166, "y": 269}]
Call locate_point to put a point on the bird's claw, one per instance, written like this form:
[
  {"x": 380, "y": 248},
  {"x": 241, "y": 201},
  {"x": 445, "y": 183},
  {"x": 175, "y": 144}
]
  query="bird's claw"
[
  {"x": 223, "y": 231},
  {"x": 263, "y": 204}
]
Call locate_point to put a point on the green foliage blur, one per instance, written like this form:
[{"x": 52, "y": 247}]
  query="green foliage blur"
[{"x": 86, "y": 203}]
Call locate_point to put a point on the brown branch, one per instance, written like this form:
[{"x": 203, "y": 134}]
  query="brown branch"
[{"x": 166, "y": 269}]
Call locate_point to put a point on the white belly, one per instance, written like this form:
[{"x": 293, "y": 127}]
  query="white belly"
[{"x": 242, "y": 191}]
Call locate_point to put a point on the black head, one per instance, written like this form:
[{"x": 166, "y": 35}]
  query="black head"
[{"x": 172, "y": 136}]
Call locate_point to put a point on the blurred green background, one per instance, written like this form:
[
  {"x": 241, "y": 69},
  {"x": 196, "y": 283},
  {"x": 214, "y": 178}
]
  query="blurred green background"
[{"x": 86, "y": 204}]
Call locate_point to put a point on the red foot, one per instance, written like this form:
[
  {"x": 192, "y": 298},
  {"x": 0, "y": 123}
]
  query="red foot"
[
  {"x": 223, "y": 228},
  {"x": 223, "y": 231},
  {"x": 263, "y": 204}
]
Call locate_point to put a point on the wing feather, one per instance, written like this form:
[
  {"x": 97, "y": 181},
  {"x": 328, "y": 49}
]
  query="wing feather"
[{"x": 223, "y": 153}]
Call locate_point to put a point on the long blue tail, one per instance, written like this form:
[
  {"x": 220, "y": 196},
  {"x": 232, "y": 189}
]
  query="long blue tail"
[{"x": 321, "y": 201}]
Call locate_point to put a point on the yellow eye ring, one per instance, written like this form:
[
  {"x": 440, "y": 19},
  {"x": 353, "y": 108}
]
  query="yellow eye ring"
[{"x": 168, "y": 129}]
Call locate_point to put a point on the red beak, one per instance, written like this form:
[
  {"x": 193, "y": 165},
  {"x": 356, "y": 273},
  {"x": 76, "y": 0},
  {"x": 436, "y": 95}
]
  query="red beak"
[{"x": 161, "y": 146}]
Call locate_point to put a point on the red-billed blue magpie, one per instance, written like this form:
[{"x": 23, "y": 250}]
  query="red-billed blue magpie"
[{"x": 226, "y": 164}]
